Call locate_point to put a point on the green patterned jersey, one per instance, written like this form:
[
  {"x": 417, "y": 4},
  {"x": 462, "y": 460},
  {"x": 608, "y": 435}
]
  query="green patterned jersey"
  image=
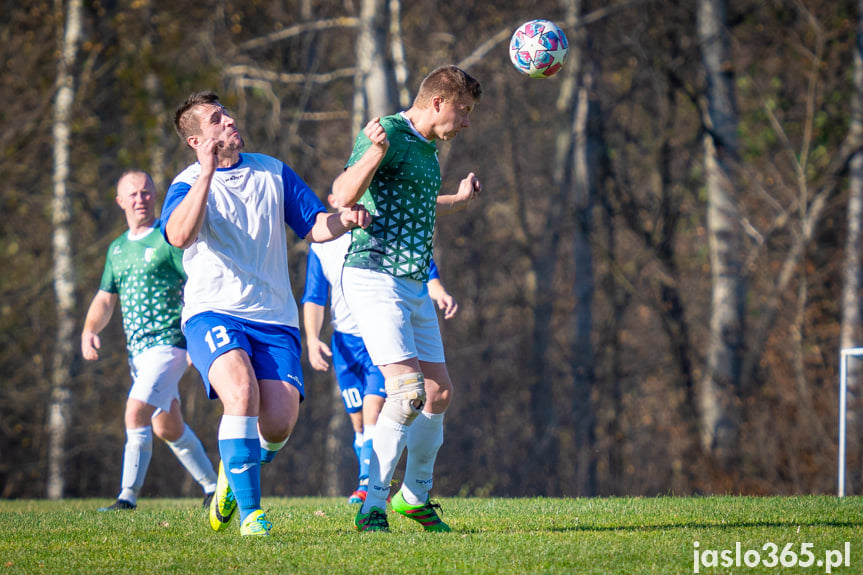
[
  {"x": 147, "y": 273},
  {"x": 402, "y": 200}
]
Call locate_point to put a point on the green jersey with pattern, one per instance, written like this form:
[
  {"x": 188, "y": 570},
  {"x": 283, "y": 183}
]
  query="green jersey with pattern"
[
  {"x": 147, "y": 274},
  {"x": 402, "y": 200}
]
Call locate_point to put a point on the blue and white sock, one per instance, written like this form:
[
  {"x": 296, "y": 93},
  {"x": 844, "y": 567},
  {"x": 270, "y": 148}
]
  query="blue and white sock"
[{"x": 240, "y": 449}]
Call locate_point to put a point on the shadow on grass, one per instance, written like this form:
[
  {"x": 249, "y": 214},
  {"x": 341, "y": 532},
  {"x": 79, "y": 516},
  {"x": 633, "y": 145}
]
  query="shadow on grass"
[{"x": 669, "y": 527}]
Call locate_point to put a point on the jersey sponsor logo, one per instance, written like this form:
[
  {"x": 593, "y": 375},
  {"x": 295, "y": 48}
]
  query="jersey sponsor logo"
[{"x": 148, "y": 254}]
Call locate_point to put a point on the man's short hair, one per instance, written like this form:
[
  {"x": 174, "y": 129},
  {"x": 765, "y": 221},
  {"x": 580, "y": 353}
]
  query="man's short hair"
[
  {"x": 184, "y": 119},
  {"x": 450, "y": 82}
]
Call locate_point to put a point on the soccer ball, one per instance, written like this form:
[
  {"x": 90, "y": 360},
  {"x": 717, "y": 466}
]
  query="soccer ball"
[{"x": 538, "y": 49}]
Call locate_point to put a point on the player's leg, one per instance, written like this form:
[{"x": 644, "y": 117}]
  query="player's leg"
[
  {"x": 425, "y": 436},
  {"x": 219, "y": 348},
  {"x": 381, "y": 306},
  {"x": 233, "y": 379},
  {"x": 186, "y": 445},
  {"x": 348, "y": 369},
  {"x": 170, "y": 364},
  {"x": 138, "y": 449},
  {"x": 137, "y": 452},
  {"x": 373, "y": 401},
  {"x": 276, "y": 364}
]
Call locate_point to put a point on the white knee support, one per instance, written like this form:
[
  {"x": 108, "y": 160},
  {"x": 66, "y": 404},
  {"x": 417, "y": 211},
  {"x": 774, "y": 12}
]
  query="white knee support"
[{"x": 406, "y": 395}]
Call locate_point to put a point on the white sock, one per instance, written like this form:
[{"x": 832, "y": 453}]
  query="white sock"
[
  {"x": 136, "y": 459},
  {"x": 190, "y": 451},
  {"x": 424, "y": 440},
  {"x": 269, "y": 450},
  {"x": 388, "y": 443}
]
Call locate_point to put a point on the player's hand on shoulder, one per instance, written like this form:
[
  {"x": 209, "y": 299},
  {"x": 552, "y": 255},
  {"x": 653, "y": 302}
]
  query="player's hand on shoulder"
[{"x": 375, "y": 132}]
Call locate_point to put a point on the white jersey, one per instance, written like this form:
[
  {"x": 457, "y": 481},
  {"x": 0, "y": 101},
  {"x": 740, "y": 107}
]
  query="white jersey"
[
  {"x": 238, "y": 264},
  {"x": 332, "y": 258}
]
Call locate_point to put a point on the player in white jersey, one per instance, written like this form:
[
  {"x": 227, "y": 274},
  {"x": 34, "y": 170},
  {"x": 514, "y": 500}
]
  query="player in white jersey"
[
  {"x": 360, "y": 381},
  {"x": 145, "y": 275},
  {"x": 228, "y": 211}
]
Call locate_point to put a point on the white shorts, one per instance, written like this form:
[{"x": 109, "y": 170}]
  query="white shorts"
[
  {"x": 396, "y": 316},
  {"x": 156, "y": 374}
]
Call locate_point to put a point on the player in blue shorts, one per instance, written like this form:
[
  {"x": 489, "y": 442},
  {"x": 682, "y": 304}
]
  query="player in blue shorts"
[
  {"x": 228, "y": 212},
  {"x": 361, "y": 382}
]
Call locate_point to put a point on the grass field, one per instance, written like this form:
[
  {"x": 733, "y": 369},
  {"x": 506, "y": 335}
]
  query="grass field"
[{"x": 316, "y": 535}]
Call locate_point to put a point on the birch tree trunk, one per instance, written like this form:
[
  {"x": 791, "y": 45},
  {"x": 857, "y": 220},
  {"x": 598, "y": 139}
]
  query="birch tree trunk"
[
  {"x": 64, "y": 281},
  {"x": 849, "y": 335},
  {"x": 718, "y": 394},
  {"x": 374, "y": 94}
]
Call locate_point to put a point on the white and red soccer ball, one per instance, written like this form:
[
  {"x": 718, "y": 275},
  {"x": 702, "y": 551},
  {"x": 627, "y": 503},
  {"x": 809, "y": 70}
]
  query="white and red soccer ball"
[{"x": 538, "y": 48}]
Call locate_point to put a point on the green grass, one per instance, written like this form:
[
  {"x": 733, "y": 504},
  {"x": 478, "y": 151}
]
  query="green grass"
[{"x": 316, "y": 535}]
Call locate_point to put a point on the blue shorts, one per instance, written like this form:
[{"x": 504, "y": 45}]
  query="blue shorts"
[
  {"x": 355, "y": 371},
  {"x": 274, "y": 350}
]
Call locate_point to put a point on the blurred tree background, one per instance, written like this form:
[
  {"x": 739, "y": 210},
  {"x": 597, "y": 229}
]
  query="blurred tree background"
[{"x": 588, "y": 353}]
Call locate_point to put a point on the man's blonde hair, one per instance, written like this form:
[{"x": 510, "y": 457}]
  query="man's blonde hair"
[{"x": 451, "y": 83}]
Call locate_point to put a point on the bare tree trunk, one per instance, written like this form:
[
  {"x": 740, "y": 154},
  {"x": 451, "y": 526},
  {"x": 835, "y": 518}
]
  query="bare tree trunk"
[
  {"x": 397, "y": 48},
  {"x": 374, "y": 94},
  {"x": 64, "y": 281},
  {"x": 719, "y": 390},
  {"x": 583, "y": 191},
  {"x": 849, "y": 335}
]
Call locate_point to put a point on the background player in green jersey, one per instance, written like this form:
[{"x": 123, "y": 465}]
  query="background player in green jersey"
[
  {"x": 394, "y": 173},
  {"x": 145, "y": 274}
]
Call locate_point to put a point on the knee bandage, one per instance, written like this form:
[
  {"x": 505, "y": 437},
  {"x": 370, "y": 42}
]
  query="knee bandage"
[{"x": 406, "y": 395}]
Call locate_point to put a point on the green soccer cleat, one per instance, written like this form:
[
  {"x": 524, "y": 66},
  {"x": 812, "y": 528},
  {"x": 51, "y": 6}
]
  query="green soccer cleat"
[
  {"x": 425, "y": 514},
  {"x": 223, "y": 504},
  {"x": 256, "y": 525},
  {"x": 374, "y": 520}
]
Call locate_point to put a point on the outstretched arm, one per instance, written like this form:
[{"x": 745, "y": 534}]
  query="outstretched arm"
[
  {"x": 351, "y": 184},
  {"x": 98, "y": 315},
  {"x": 469, "y": 188},
  {"x": 329, "y": 226}
]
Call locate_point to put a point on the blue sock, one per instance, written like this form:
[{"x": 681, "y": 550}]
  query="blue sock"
[
  {"x": 366, "y": 453},
  {"x": 240, "y": 450},
  {"x": 358, "y": 446}
]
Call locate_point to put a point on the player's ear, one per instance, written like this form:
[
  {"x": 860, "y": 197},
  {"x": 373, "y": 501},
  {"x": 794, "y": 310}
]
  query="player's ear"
[
  {"x": 194, "y": 142},
  {"x": 437, "y": 102}
]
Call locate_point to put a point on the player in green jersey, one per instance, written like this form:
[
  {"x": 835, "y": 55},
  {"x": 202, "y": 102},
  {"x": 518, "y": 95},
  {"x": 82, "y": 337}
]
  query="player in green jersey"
[
  {"x": 394, "y": 173},
  {"x": 145, "y": 274}
]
